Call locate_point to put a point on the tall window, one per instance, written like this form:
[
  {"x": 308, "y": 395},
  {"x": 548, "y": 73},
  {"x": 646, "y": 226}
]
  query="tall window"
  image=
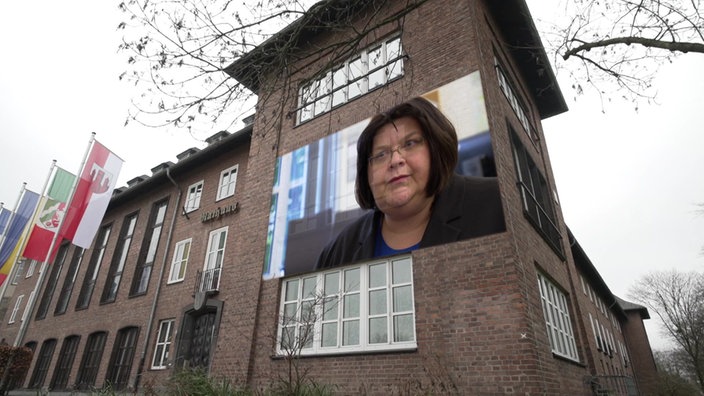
[
  {"x": 557, "y": 319},
  {"x": 362, "y": 308},
  {"x": 93, "y": 269},
  {"x": 52, "y": 281},
  {"x": 193, "y": 198},
  {"x": 214, "y": 257},
  {"x": 513, "y": 100},
  {"x": 163, "y": 344},
  {"x": 147, "y": 254},
  {"x": 180, "y": 261},
  {"x": 228, "y": 182},
  {"x": 27, "y": 306},
  {"x": 121, "y": 359},
  {"x": 537, "y": 203},
  {"x": 18, "y": 304},
  {"x": 63, "y": 366},
  {"x": 371, "y": 68},
  {"x": 69, "y": 281},
  {"x": 19, "y": 268},
  {"x": 90, "y": 363},
  {"x": 119, "y": 259},
  {"x": 30, "y": 268},
  {"x": 41, "y": 367}
]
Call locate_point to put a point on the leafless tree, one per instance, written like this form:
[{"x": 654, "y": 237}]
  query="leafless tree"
[
  {"x": 678, "y": 299},
  {"x": 177, "y": 51},
  {"x": 623, "y": 42}
]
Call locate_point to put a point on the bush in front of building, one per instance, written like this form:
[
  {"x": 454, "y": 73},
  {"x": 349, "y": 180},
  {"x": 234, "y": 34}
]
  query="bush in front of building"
[{"x": 14, "y": 363}]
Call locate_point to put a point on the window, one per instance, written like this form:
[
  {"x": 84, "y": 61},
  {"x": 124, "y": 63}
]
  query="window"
[
  {"x": 119, "y": 259},
  {"x": 19, "y": 267},
  {"x": 41, "y": 367},
  {"x": 537, "y": 205},
  {"x": 228, "y": 181},
  {"x": 27, "y": 306},
  {"x": 93, "y": 269},
  {"x": 163, "y": 344},
  {"x": 18, "y": 304},
  {"x": 516, "y": 104},
  {"x": 52, "y": 281},
  {"x": 372, "y": 68},
  {"x": 69, "y": 281},
  {"x": 361, "y": 308},
  {"x": 30, "y": 268},
  {"x": 557, "y": 319},
  {"x": 65, "y": 362},
  {"x": 210, "y": 279},
  {"x": 180, "y": 261},
  {"x": 150, "y": 244},
  {"x": 193, "y": 198},
  {"x": 90, "y": 363},
  {"x": 121, "y": 359}
]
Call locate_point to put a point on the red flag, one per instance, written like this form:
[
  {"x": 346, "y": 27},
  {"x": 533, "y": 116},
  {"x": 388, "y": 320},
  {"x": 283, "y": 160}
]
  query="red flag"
[
  {"x": 48, "y": 217},
  {"x": 92, "y": 196}
]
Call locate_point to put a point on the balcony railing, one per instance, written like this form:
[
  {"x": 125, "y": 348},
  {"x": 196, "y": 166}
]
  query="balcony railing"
[{"x": 207, "y": 281}]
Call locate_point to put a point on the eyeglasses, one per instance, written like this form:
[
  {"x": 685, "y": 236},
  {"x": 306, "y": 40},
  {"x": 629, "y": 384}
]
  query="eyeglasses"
[{"x": 384, "y": 156}]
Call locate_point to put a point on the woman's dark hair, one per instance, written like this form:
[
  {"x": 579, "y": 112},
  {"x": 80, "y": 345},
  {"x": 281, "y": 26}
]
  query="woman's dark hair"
[{"x": 438, "y": 131}]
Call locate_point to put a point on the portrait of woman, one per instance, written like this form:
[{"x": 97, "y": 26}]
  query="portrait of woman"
[{"x": 406, "y": 161}]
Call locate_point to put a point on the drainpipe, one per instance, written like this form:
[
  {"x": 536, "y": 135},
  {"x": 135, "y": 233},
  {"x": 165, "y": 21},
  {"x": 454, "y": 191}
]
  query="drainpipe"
[{"x": 162, "y": 271}]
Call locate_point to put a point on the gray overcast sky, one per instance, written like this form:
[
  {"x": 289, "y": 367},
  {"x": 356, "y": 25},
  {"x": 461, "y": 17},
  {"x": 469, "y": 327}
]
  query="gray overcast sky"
[{"x": 628, "y": 182}]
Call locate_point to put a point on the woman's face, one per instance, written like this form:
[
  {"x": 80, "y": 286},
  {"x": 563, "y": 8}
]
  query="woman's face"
[{"x": 398, "y": 178}]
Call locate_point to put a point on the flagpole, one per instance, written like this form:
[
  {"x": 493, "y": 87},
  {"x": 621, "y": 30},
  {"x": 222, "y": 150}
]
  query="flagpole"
[
  {"x": 42, "y": 274},
  {"x": 25, "y": 235}
]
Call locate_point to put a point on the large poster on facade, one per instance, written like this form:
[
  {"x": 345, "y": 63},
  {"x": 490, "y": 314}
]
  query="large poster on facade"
[{"x": 313, "y": 194}]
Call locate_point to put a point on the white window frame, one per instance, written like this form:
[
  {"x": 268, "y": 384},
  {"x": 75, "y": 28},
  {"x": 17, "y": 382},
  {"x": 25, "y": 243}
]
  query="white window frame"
[
  {"x": 30, "y": 302},
  {"x": 30, "y": 268},
  {"x": 163, "y": 344},
  {"x": 334, "y": 299},
  {"x": 510, "y": 94},
  {"x": 18, "y": 268},
  {"x": 333, "y": 88},
  {"x": 16, "y": 309},
  {"x": 227, "y": 183},
  {"x": 179, "y": 262},
  {"x": 557, "y": 319},
  {"x": 214, "y": 258},
  {"x": 195, "y": 192}
]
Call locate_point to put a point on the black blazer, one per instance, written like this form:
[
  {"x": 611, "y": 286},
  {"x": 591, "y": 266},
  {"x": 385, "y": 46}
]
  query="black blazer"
[{"x": 468, "y": 207}]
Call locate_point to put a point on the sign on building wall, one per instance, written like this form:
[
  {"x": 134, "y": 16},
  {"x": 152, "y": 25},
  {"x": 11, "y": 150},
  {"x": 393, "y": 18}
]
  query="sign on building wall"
[{"x": 313, "y": 194}]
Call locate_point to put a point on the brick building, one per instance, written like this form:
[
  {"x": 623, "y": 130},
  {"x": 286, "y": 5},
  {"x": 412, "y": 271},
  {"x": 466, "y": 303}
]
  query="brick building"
[{"x": 208, "y": 261}]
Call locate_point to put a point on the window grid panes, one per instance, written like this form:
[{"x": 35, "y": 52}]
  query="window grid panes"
[
  {"x": 59, "y": 381},
  {"x": 180, "y": 261},
  {"x": 18, "y": 304},
  {"x": 557, "y": 319},
  {"x": 371, "y": 68},
  {"x": 228, "y": 182},
  {"x": 69, "y": 281},
  {"x": 93, "y": 268},
  {"x": 90, "y": 362},
  {"x": 193, "y": 198},
  {"x": 150, "y": 245},
  {"x": 119, "y": 259},
  {"x": 122, "y": 356},
  {"x": 535, "y": 194},
  {"x": 513, "y": 100},
  {"x": 163, "y": 344},
  {"x": 368, "y": 307}
]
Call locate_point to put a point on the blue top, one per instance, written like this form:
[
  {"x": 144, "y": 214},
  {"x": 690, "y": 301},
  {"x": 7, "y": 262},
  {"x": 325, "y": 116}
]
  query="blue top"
[{"x": 381, "y": 249}]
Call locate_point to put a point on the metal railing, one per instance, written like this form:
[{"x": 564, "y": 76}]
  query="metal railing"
[{"x": 208, "y": 281}]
